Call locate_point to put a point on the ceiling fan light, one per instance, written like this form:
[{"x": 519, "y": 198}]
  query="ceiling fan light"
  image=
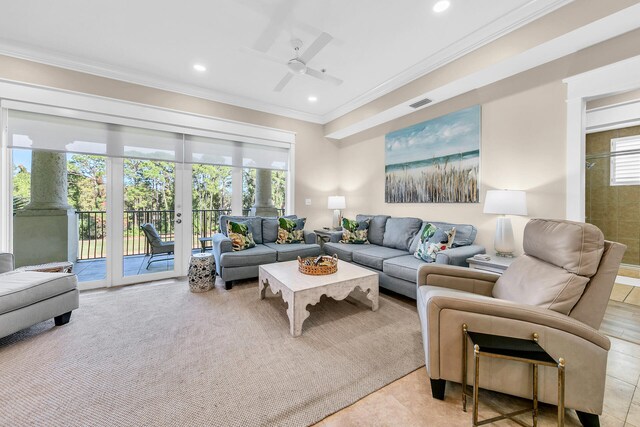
[{"x": 297, "y": 66}]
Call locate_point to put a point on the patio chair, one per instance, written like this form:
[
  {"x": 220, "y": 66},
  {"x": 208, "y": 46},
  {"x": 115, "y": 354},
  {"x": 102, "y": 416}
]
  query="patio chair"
[{"x": 158, "y": 247}]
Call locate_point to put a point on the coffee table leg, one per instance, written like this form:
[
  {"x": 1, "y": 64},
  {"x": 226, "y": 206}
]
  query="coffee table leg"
[
  {"x": 262, "y": 287},
  {"x": 297, "y": 312},
  {"x": 374, "y": 297}
]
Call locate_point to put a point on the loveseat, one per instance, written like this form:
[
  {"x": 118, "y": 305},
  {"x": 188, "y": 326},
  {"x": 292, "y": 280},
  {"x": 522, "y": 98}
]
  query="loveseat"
[
  {"x": 392, "y": 243},
  {"x": 236, "y": 265},
  {"x": 30, "y": 297}
]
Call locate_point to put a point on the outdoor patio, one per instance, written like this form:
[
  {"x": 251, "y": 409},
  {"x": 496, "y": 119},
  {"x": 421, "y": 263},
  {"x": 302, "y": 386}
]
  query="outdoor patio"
[{"x": 96, "y": 269}]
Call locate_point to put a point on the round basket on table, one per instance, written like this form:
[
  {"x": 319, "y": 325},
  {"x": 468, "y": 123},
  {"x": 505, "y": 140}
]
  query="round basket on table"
[{"x": 318, "y": 266}]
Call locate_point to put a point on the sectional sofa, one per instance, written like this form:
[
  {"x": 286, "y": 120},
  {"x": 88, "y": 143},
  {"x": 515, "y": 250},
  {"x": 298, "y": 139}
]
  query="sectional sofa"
[
  {"x": 244, "y": 264},
  {"x": 393, "y": 242}
]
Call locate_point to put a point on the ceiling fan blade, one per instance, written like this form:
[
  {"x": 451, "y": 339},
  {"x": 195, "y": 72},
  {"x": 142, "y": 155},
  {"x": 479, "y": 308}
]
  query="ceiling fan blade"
[
  {"x": 324, "y": 76},
  {"x": 322, "y": 40},
  {"x": 285, "y": 80},
  {"x": 274, "y": 27}
]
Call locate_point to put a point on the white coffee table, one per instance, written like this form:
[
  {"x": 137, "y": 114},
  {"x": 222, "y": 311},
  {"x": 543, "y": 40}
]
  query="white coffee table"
[{"x": 298, "y": 289}]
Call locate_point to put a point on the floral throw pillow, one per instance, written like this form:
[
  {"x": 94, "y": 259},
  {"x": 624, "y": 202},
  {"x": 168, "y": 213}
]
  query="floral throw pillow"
[
  {"x": 432, "y": 241},
  {"x": 240, "y": 235},
  {"x": 290, "y": 230},
  {"x": 354, "y": 231}
]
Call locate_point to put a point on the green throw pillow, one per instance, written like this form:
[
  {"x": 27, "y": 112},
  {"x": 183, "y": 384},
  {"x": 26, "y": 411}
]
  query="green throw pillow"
[
  {"x": 432, "y": 241},
  {"x": 354, "y": 231},
  {"x": 240, "y": 235},
  {"x": 290, "y": 230}
]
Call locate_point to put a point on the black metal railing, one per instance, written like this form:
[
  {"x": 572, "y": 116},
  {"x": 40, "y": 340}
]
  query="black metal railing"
[{"x": 92, "y": 229}]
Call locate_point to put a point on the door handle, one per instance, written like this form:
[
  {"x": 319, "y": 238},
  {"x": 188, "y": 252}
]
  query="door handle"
[
  {"x": 178, "y": 221},
  {"x": 179, "y": 214}
]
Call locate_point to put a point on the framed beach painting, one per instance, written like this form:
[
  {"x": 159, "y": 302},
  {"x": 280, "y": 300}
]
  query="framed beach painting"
[{"x": 436, "y": 161}]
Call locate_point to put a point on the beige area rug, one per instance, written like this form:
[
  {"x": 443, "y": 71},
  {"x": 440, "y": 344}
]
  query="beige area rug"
[{"x": 157, "y": 354}]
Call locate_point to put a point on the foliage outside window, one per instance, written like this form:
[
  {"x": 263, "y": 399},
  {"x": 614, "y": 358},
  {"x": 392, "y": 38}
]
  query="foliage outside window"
[
  {"x": 625, "y": 161},
  {"x": 278, "y": 189}
]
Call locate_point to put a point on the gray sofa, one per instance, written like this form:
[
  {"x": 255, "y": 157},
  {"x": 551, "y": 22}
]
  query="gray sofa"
[
  {"x": 392, "y": 244},
  {"x": 244, "y": 264},
  {"x": 30, "y": 297}
]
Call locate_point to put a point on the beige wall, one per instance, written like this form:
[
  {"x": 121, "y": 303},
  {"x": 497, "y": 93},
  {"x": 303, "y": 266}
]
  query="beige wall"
[
  {"x": 516, "y": 153},
  {"x": 315, "y": 166}
]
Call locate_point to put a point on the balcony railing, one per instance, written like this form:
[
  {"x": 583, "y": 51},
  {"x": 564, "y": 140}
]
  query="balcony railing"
[{"x": 92, "y": 229}]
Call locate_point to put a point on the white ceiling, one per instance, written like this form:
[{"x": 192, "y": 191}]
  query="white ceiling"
[{"x": 377, "y": 46}]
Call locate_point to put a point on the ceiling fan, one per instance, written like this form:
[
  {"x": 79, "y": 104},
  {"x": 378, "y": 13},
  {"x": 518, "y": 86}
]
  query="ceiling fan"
[{"x": 298, "y": 64}]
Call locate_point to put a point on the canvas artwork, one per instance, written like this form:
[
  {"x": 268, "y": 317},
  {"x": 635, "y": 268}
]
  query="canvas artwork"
[{"x": 436, "y": 161}]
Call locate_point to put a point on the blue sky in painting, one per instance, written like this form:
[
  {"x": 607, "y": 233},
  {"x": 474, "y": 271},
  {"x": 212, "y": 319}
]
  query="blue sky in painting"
[{"x": 453, "y": 133}]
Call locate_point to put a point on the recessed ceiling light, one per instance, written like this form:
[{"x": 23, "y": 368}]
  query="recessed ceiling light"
[
  {"x": 199, "y": 67},
  {"x": 312, "y": 98},
  {"x": 441, "y": 6}
]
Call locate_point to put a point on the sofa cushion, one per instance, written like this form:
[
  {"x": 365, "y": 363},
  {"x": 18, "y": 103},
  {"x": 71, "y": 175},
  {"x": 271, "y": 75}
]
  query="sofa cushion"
[
  {"x": 343, "y": 250},
  {"x": 290, "y": 230},
  {"x": 354, "y": 231},
  {"x": 433, "y": 240},
  {"x": 376, "y": 227},
  {"x": 255, "y": 221},
  {"x": 270, "y": 228},
  {"x": 240, "y": 235},
  {"x": 20, "y": 289},
  {"x": 374, "y": 256},
  {"x": 400, "y": 232},
  {"x": 534, "y": 282},
  {"x": 575, "y": 246},
  {"x": 465, "y": 234},
  {"x": 402, "y": 267},
  {"x": 291, "y": 251},
  {"x": 260, "y": 254}
]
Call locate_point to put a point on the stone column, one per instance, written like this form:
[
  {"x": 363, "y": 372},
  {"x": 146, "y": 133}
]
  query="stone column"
[
  {"x": 264, "y": 203},
  {"x": 46, "y": 230}
]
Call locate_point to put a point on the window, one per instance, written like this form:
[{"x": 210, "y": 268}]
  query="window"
[{"x": 625, "y": 161}]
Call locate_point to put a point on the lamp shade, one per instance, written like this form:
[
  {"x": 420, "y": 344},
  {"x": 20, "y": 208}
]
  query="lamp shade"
[
  {"x": 505, "y": 202},
  {"x": 336, "y": 202}
]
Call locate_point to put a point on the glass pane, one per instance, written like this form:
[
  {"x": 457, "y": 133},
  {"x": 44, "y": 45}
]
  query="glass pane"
[
  {"x": 278, "y": 195},
  {"x": 211, "y": 197},
  {"x": 59, "y": 203},
  {"x": 149, "y": 201}
]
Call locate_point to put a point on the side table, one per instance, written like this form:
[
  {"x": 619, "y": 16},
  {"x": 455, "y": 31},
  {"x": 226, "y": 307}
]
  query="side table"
[
  {"x": 201, "y": 272},
  {"x": 509, "y": 348},
  {"x": 496, "y": 264},
  {"x": 203, "y": 243}
]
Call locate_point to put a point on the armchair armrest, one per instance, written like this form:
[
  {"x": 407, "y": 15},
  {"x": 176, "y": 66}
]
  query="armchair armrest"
[
  {"x": 459, "y": 255},
  {"x": 6, "y": 262},
  {"x": 439, "y": 300},
  {"x": 309, "y": 237},
  {"x": 220, "y": 244},
  {"x": 458, "y": 278}
]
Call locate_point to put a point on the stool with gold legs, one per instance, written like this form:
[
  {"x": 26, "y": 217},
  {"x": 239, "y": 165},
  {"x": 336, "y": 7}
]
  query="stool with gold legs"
[{"x": 509, "y": 348}]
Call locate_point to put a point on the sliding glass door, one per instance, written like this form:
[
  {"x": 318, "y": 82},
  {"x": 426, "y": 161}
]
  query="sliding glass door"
[{"x": 126, "y": 203}]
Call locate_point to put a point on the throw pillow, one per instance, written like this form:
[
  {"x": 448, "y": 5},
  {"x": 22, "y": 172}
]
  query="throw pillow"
[
  {"x": 290, "y": 230},
  {"x": 355, "y": 231},
  {"x": 240, "y": 235},
  {"x": 432, "y": 241}
]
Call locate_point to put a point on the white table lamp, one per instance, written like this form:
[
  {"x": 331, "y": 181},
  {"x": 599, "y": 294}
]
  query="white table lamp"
[
  {"x": 505, "y": 202},
  {"x": 336, "y": 203}
]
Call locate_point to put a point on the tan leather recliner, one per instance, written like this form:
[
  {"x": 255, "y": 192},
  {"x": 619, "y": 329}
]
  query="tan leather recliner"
[{"x": 559, "y": 289}]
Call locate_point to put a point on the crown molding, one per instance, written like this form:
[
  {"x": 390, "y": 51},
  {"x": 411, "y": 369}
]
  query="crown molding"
[
  {"x": 483, "y": 36},
  {"x": 56, "y": 59}
]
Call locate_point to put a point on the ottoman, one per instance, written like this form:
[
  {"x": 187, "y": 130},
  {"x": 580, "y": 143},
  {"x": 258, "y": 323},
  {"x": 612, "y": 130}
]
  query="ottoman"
[{"x": 29, "y": 297}]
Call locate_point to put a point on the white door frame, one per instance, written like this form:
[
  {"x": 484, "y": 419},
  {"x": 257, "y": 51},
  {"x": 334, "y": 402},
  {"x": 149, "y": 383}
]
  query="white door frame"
[{"x": 608, "y": 80}]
